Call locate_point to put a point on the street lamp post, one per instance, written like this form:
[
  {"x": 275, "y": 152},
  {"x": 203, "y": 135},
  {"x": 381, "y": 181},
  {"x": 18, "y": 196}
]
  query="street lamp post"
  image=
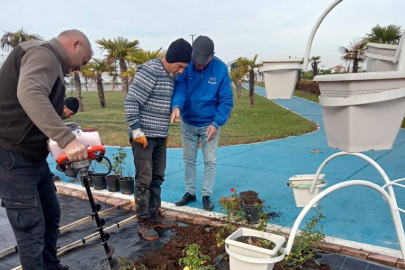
[{"x": 192, "y": 38}]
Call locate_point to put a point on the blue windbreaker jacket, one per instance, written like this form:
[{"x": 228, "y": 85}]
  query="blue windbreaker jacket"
[{"x": 204, "y": 97}]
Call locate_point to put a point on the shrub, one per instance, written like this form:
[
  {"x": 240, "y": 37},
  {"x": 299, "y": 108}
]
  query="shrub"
[{"x": 308, "y": 86}]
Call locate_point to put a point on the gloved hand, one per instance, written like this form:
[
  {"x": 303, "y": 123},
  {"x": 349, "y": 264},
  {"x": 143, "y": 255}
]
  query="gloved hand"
[{"x": 139, "y": 137}]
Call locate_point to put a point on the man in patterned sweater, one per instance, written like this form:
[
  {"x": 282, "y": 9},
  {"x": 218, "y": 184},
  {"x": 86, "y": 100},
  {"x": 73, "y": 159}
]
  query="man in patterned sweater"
[{"x": 148, "y": 107}]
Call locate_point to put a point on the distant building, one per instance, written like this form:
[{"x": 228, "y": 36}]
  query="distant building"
[
  {"x": 231, "y": 65},
  {"x": 338, "y": 69}
]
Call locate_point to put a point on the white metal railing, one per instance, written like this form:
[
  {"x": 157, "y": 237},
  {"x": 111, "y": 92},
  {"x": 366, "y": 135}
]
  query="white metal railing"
[{"x": 389, "y": 197}]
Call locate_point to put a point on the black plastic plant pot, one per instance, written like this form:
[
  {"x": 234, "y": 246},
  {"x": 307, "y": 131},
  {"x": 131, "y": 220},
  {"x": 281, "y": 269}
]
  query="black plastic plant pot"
[
  {"x": 113, "y": 182},
  {"x": 245, "y": 195},
  {"x": 127, "y": 185},
  {"x": 252, "y": 213},
  {"x": 98, "y": 179}
]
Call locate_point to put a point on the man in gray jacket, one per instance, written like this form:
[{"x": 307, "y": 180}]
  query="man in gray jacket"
[{"x": 32, "y": 95}]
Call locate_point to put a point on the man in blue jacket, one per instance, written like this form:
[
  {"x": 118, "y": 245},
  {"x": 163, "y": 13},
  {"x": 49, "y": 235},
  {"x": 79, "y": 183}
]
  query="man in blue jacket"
[{"x": 203, "y": 98}]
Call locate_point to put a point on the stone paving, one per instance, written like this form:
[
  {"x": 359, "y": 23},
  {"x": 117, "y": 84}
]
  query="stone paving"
[
  {"x": 126, "y": 241},
  {"x": 90, "y": 256}
]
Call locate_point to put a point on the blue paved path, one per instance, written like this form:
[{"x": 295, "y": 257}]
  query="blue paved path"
[{"x": 355, "y": 213}]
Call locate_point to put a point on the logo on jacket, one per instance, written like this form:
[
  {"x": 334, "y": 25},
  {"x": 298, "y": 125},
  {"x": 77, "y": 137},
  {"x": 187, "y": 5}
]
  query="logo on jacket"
[{"x": 212, "y": 80}]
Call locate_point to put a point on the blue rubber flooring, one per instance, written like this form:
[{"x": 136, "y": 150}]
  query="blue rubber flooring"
[{"x": 355, "y": 213}]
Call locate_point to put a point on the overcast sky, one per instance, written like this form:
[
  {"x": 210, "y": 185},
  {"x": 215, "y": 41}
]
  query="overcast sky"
[{"x": 270, "y": 28}]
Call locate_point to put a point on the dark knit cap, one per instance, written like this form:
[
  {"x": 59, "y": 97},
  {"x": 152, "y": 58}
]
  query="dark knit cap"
[
  {"x": 72, "y": 103},
  {"x": 179, "y": 51}
]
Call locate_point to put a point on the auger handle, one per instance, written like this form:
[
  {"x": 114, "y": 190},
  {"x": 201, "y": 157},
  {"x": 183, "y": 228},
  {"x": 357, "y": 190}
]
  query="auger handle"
[{"x": 90, "y": 151}]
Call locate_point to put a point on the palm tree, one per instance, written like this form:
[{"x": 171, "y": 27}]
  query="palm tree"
[
  {"x": 87, "y": 74},
  {"x": 114, "y": 75},
  {"x": 11, "y": 39},
  {"x": 78, "y": 88},
  {"x": 118, "y": 49},
  {"x": 237, "y": 76},
  {"x": 390, "y": 34},
  {"x": 315, "y": 60},
  {"x": 354, "y": 53},
  {"x": 248, "y": 66},
  {"x": 138, "y": 57},
  {"x": 98, "y": 67}
]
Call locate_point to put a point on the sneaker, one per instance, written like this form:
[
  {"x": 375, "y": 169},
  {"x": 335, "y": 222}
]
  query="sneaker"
[
  {"x": 187, "y": 198},
  {"x": 60, "y": 267},
  {"x": 208, "y": 205},
  {"x": 160, "y": 221},
  {"x": 145, "y": 229}
]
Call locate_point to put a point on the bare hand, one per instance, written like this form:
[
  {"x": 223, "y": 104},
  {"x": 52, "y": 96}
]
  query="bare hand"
[
  {"x": 175, "y": 117},
  {"x": 76, "y": 151},
  {"x": 211, "y": 131}
]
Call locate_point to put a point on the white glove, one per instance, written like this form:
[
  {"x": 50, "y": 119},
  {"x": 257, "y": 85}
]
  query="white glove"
[
  {"x": 137, "y": 133},
  {"x": 139, "y": 137}
]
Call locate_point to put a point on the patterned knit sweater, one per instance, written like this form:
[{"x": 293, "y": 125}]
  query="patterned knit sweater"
[{"x": 148, "y": 102}]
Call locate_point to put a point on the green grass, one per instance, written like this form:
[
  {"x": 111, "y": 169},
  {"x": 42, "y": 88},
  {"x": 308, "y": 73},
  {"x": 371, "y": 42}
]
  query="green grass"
[
  {"x": 308, "y": 96},
  {"x": 266, "y": 121}
]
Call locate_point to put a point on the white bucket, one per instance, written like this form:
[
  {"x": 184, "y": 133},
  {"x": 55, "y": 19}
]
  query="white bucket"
[
  {"x": 301, "y": 185},
  {"x": 248, "y": 257}
]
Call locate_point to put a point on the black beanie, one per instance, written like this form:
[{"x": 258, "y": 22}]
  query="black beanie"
[
  {"x": 72, "y": 103},
  {"x": 179, "y": 51}
]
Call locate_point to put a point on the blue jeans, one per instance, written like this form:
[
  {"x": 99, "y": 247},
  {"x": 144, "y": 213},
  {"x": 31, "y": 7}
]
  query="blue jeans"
[
  {"x": 191, "y": 137},
  {"x": 28, "y": 194}
]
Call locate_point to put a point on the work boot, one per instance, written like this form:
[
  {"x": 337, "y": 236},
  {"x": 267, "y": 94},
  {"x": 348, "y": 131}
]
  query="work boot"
[
  {"x": 187, "y": 198},
  {"x": 60, "y": 267},
  {"x": 145, "y": 229},
  {"x": 160, "y": 221},
  {"x": 208, "y": 205}
]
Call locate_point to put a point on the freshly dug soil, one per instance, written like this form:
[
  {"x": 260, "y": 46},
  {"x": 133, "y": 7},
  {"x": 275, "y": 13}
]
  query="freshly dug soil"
[
  {"x": 167, "y": 257},
  {"x": 248, "y": 193},
  {"x": 255, "y": 241},
  {"x": 252, "y": 201}
]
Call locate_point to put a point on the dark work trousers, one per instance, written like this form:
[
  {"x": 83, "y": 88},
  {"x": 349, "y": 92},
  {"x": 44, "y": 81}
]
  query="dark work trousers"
[
  {"x": 150, "y": 165},
  {"x": 28, "y": 194}
]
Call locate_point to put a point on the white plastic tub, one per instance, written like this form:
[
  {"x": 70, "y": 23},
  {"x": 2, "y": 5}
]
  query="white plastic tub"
[
  {"x": 301, "y": 185},
  {"x": 381, "y": 57},
  {"x": 364, "y": 122},
  {"x": 248, "y": 257},
  {"x": 280, "y": 77},
  {"x": 345, "y": 85}
]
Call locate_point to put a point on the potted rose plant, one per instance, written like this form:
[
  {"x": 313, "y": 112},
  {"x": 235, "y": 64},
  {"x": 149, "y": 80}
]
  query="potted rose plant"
[{"x": 117, "y": 169}]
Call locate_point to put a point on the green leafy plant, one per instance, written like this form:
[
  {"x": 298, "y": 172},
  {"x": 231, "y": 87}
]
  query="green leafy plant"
[
  {"x": 194, "y": 259},
  {"x": 235, "y": 216},
  {"x": 124, "y": 264},
  {"x": 306, "y": 244},
  {"x": 263, "y": 218},
  {"x": 119, "y": 161},
  {"x": 100, "y": 167}
]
